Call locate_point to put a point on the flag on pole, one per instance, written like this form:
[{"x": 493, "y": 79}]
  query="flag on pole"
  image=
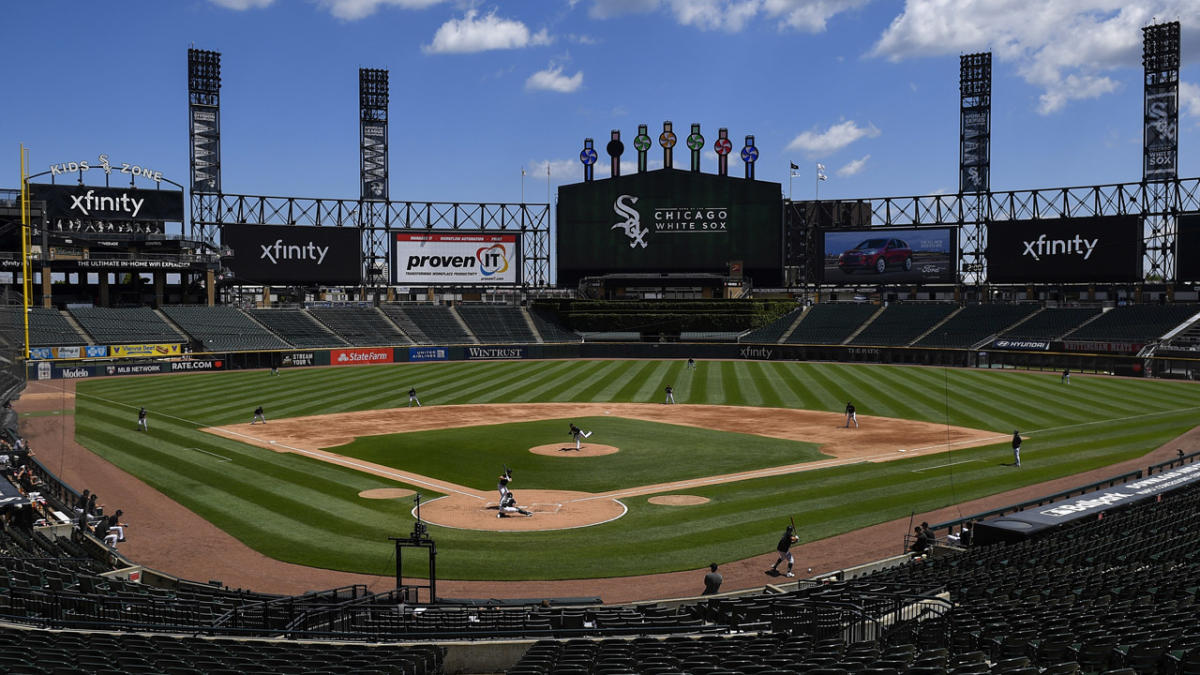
[
  {"x": 522, "y": 171},
  {"x": 821, "y": 172},
  {"x": 794, "y": 166}
]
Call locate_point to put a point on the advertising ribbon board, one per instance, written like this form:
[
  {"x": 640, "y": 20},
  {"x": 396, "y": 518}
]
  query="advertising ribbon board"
[
  {"x": 127, "y": 351},
  {"x": 495, "y": 353},
  {"x": 354, "y": 357},
  {"x": 428, "y": 354}
]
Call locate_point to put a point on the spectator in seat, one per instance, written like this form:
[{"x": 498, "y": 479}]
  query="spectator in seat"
[
  {"x": 920, "y": 542},
  {"x": 712, "y": 580},
  {"x": 116, "y": 529},
  {"x": 82, "y": 503}
]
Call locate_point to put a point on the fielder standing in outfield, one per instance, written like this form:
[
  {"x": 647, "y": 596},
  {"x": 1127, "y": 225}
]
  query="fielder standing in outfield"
[
  {"x": 1066, "y": 376},
  {"x": 691, "y": 364},
  {"x": 1016, "y": 448},
  {"x": 851, "y": 416},
  {"x": 142, "y": 424},
  {"x": 578, "y": 434},
  {"x": 784, "y": 549},
  {"x": 670, "y": 395},
  {"x": 259, "y": 415},
  {"x": 412, "y": 398}
]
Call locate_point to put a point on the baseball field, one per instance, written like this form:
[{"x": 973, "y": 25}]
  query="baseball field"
[{"x": 656, "y": 488}]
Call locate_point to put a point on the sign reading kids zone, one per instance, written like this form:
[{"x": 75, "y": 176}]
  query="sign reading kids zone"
[{"x": 455, "y": 258}]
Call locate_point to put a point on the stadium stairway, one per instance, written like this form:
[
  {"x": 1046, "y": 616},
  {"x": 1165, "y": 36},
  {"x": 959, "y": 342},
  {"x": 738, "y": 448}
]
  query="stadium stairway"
[
  {"x": 792, "y": 328},
  {"x": 183, "y": 335},
  {"x": 537, "y": 335},
  {"x": 864, "y": 325},
  {"x": 78, "y": 328},
  {"x": 391, "y": 321},
  {"x": 936, "y": 326},
  {"x": 463, "y": 324},
  {"x": 989, "y": 339}
]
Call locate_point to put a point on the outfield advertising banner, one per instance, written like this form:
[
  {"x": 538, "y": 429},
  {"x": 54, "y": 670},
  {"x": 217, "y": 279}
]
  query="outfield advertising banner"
[
  {"x": 304, "y": 359},
  {"x": 1104, "y": 249},
  {"x": 354, "y": 357},
  {"x": 494, "y": 353},
  {"x": 455, "y": 257},
  {"x": 879, "y": 256},
  {"x": 273, "y": 255},
  {"x": 670, "y": 221},
  {"x": 129, "y": 351},
  {"x": 1010, "y": 344},
  {"x": 192, "y": 365},
  {"x": 428, "y": 354}
]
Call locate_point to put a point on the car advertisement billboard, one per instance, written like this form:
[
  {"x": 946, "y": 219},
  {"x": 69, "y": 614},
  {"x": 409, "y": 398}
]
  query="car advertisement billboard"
[
  {"x": 1070, "y": 250},
  {"x": 1187, "y": 253},
  {"x": 455, "y": 257},
  {"x": 890, "y": 256},
  {"x": 670, "y": 221},
  {"x": 270, "y": 255}
]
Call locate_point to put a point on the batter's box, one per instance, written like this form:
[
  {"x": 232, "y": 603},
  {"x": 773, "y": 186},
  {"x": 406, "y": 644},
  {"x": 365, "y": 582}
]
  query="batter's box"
[{"x": 551, "y": 508}]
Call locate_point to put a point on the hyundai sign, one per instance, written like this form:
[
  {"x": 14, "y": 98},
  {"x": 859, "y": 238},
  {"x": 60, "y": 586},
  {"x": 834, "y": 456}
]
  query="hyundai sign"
[
  {"x": 273, "y": 255},
  {"x": 1071, "y": 250},
  {"x": 455, "y": 257}
]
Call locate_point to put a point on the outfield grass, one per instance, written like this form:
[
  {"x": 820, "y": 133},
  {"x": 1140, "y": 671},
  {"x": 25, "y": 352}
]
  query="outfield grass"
[
  {"x": 305, "y": 511},
  {"x": 651, "y": 452}
]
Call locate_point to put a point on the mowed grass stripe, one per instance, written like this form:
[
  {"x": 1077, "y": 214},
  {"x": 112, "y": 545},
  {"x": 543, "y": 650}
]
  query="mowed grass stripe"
[
  {"x": 584, "y": 376},
  {"x": 635, "y": 380},
  {"x": 618, "y": 375}
]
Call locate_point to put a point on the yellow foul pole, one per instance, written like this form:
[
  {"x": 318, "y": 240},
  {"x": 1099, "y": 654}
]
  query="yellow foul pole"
[{"x": 26, "y": 282}]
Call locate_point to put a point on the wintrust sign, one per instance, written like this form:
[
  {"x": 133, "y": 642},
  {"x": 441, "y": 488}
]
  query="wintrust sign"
[{"x": 352, "y": 357}]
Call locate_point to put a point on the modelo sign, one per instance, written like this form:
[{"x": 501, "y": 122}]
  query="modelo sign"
[
  {"x": 271, "y": 255},
  {"x": 455, "y": 258},
  {"x": 1079, "y": 250}
]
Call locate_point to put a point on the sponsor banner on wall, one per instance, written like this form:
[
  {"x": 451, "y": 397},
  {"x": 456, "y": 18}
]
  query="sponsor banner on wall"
[
  {"x": 1100, "y": 346},
  {"x": 756, "y": 353},
  {"x": 73, "y": 353},
  {"x": 304, "y": 359},
  {"x": 95, "y": 351},
  {"x": 86, "y": 202},
  {"x": 877, "y": 256},
  {"x": 127, "y": 351},
  {"x": 132, "y": 369},
  {"x": 495, "y": 353},
  {"x": 428, "y": 353},
  {"x": 455, "y": 257},
  {"x": 1079, "y": 250},
  {"x": 197, "y": 364},
  {"x": 1021, "y": 345},
  {"x": 67, "y": 352},
  {"x": 351, "y": 357},
  {"x": 41, "y": 353},
  {"x": 292, "y": 254}
]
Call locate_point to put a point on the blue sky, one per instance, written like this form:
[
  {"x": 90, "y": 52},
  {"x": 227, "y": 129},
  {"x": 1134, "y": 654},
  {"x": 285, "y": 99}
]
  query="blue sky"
[{"x": 479, "y": 90}]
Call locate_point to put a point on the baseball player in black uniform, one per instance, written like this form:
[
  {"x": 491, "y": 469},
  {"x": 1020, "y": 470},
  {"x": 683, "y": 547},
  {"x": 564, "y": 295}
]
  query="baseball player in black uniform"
[
  {"x": 691, "y": 364},
  {"x": 259, "y": 415},
  {"x": 502, "y": 483},
  {"x": 670, "y": 394},
  {"x": 412, "y": 398},
  {"x": 143, "y": 425},
  {"x": 1066, "y": 376},
  {"x": 850, "y": 415},
  {"x": 1016, "y": 445},
  {"x": 784, "y": 548},
  {"x": 578, "y": 434}
]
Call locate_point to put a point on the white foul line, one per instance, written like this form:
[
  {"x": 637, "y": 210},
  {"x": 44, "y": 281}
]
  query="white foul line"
[{"x": 942, "y": 466}]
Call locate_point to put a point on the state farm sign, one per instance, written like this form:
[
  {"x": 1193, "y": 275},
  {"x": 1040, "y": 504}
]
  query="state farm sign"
[{"x": 351, "y": 357}]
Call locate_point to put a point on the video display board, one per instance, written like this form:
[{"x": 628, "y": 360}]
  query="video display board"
[
  {"x": 276, "y": 255},
  {"x": 455, "y": 257},
  {"x": 1069, "y": 250},
  {"x": 889, "y": 256},
  {"x": 1187, "y": 248},
  {"x": 670, "y": 221}
]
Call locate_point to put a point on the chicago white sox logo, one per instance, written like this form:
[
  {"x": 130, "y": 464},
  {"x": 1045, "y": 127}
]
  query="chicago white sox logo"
[{"x": 633, "y": 221}]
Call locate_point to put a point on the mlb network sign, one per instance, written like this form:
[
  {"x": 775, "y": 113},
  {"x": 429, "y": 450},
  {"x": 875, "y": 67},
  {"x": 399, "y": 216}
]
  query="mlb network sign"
[{"x": 455, "y": 258}]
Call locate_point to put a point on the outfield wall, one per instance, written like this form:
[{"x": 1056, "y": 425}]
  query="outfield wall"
[{"x": 1118, "y": 364}]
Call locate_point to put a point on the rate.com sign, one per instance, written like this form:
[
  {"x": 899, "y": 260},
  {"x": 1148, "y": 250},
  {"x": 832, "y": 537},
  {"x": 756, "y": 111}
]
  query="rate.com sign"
[
  {"x": 455, "y": 258},
  {"x": 1071, "y": 250},
  {"x": 353, "y": 357}
]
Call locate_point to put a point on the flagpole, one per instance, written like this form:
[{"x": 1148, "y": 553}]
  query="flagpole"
[
  {"x": 790, "y": 174},
  {"x": 522, "y": 185}
]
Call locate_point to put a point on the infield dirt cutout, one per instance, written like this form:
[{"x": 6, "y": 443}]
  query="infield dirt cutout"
[
  {"x": 678, "y": 500},
  {"x": 879, "y": 439}
]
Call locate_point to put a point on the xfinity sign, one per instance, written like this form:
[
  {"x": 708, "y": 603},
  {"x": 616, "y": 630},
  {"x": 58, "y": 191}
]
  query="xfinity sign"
[
  {"x": 1071, "y": 250},
  {"x": 279, "y": 254},
  {"x": 455, "y": 257}
]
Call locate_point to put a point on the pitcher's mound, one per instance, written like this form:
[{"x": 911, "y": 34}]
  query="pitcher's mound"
[
  {"x": 568, "y": 450},
  {"x": 678, "y": 500},
  {"x": 386, "y": 493}
]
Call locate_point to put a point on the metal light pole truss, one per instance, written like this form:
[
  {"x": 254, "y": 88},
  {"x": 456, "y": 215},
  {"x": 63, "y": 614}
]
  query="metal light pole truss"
[
  {"x": 1157, "y": 202},
  {"x": 204, "y": 131},
  {"x": 212, "y": 211}
]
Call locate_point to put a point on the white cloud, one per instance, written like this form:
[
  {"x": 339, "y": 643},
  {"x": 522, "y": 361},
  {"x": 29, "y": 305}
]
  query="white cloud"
[
  {"x": 733, "y": 15},
  {"x": 1189, "y": 99},
  {"x": 352, "y": 10},
  {"x": 476, "y": 33},
  {"x": 1064, "y": 48},
  {"x": 853, "y": 167},
  {"x": 241, "y": 5},
  {"x": 832, "y": 139},
  {"x": 552, "y": 79}
]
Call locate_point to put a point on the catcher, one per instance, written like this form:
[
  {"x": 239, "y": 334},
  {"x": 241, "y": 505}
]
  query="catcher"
[{"x": 783, "y": 547}]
